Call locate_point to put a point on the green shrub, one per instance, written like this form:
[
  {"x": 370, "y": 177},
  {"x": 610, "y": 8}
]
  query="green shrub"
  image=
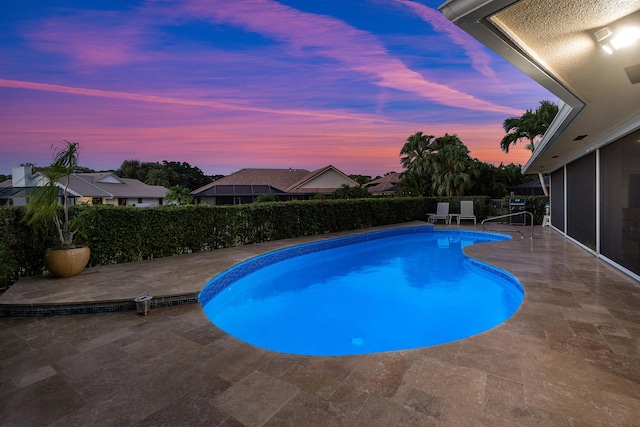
[
  {"x": 119, "y": 234},
  {"x": 266, "y": 198},
  {"x": 21, "y": 251},
  {"x": 348, "y": 192}
]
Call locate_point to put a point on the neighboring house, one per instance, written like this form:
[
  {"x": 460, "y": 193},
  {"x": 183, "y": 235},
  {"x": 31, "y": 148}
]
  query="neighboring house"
[
  {"x": 592, "y": 149},
  {"x": 15, "y": 191},
  {"x": 385, "y": 186},
  {"x": 102, "y": 188},
  {"x": 286, "y": 184},
  {"x": 8, "y": 194}
]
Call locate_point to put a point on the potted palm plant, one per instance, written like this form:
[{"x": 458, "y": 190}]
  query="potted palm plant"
[{"x": 43, "y": 209}]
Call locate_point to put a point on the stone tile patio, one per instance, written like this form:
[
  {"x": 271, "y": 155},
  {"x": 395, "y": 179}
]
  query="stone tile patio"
[{"x": 570, "y": 356}]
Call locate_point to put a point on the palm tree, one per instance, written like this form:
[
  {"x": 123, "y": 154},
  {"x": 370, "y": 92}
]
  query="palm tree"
[
  {"x": 517, "y": 128},
  {"x": 546, "y": 112},
  {"x": 529, "y": 126},
  {"x": 179, "y": 194},
  {"x": 44, "y": 201},
  {"x": 157, "y": 176},
  {"x": 416, "y": 152},
  {"x": 453, "y": 166},
  {"x": 417, "y": 159}
]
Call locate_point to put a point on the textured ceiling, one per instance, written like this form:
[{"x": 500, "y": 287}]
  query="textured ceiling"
[
  {"x": 561, "y": 32},
  {"x": 553, "y": 41},
  {"x": 558, "y": 35}
]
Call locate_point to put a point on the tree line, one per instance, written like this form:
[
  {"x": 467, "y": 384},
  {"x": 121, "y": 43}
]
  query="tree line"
[
  {"x": 179, "y": 178},
  {"x": 443, "y": 167},
  {"x": 166, "y": 174}
]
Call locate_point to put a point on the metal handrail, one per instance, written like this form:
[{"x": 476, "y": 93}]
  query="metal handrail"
[{"x": 506, "y": 216}]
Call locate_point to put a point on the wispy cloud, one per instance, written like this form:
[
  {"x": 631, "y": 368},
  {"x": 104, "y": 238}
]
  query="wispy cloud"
[
  {"x": 91, "y": 38},
  {"x": 16, "y": 84},
  {"x": 316, "y": 35},
  {"x": 473, "y": 49},
  {"x": 108, "y": 39}
]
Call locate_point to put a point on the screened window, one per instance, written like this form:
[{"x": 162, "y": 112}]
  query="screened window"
[
  {"x": 557, "y": 199},
  {"x": 581, "y": 200},
  {"x": 620, "y": 202}
]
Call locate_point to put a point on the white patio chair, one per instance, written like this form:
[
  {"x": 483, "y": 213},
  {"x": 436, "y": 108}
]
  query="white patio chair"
[
  {"x": 442, "y": 212},
  {"x": 466, "y": 211}
]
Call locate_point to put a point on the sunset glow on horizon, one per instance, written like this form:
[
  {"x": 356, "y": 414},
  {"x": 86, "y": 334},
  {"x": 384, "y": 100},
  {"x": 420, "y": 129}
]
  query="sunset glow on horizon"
[{"x": 249, "y": 84}]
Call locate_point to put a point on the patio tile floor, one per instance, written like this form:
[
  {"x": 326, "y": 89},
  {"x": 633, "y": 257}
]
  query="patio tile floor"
[{"x": 569, "y": 356}]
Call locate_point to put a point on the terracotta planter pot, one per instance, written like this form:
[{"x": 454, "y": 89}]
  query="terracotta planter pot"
[{"x": 66, "y": 262}]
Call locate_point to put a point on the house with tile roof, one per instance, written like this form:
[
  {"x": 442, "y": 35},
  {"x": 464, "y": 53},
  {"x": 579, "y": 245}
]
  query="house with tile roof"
[
  {"x": 246, "y": 185},
  {"x": 104, "y": 188},
  {"x": 384, "y": 186}
]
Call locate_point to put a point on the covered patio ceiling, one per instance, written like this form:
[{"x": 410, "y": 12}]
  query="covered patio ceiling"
[{"x": 554, "y": 43}]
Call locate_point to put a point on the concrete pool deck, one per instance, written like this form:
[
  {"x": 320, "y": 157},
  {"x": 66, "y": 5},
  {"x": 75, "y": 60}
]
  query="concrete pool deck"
[{"x": 569, "y": 356}]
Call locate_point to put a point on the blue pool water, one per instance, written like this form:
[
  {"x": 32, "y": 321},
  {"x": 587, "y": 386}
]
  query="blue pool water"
[{"x": 392, "y": 290}]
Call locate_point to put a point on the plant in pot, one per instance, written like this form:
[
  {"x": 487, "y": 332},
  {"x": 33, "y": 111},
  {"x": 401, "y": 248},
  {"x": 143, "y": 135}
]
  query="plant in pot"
[{"x": 43, "y": 210}]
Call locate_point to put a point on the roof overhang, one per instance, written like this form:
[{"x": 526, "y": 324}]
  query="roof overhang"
[
  {"x": 238, "y": 190},
  {"x": 554, "y": 43}
]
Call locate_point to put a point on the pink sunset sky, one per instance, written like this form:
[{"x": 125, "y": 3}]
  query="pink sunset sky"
[{"x": 225, "y": 85}]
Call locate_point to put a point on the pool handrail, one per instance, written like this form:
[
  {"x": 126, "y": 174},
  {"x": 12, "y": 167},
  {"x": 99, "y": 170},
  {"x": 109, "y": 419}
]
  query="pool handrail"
[{"x": 506, "y": 216}]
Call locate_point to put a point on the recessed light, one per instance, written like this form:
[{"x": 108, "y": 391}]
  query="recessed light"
[
  {"x": 580, "y": 137},
  {"x": 603, "y": 34},
  {"x": 554, "y": 157}
]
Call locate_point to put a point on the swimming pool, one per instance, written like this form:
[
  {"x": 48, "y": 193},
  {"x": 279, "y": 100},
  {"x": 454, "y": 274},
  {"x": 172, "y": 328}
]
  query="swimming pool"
[{"x": 389, "y": 290}]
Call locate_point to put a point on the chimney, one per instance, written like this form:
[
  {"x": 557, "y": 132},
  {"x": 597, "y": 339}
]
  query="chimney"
[{"x": 21, "y": 176}]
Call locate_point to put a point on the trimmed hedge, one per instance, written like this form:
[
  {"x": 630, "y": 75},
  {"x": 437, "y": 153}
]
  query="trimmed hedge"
[
  {"x": 118, "y": 234},
  {"x": 21, "y": 252}
]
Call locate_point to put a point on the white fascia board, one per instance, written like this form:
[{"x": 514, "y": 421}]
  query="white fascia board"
[{"x": 474, "y": 17}]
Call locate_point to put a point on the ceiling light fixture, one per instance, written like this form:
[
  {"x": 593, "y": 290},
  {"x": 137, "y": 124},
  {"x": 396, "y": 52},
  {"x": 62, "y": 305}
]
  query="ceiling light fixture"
[
  {"x": 625, "y": 37},
  {"x": 611, "y": 39}
]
